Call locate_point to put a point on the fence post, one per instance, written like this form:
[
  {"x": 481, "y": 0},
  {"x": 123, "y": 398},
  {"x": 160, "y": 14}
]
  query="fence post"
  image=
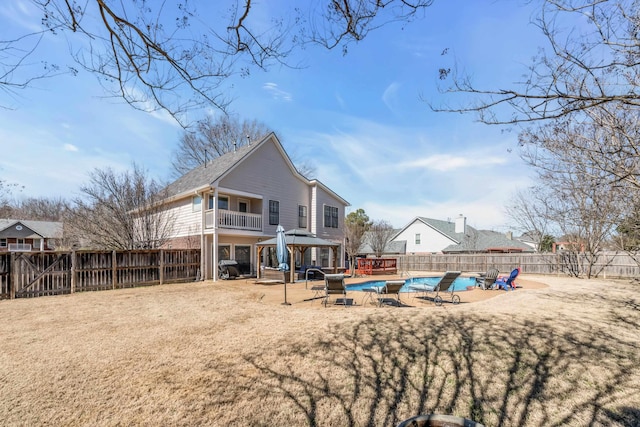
[
  {"x": 161, "y": 266},
  {"x": 13, "y": 277},
  {"x": 73, "y": 271},
  {"x": 114, "y": 269}
]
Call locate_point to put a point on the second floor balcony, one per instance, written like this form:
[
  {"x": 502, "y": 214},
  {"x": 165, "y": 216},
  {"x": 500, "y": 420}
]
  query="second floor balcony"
[
  {"x": 234, "y": 220},
  {"x": 20, "y": 247}
]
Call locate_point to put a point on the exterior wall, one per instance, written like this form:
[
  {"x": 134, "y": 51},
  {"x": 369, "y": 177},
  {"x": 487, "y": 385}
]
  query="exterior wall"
[
  {"x": 263, "y": 175},
  {"x": 12, "y": 234},
  {"x": 430, "y": 240},
  {"x": 34, "y": 246},
  {"x": 187, "y": 222},
  {"x": 267, "y": 173},
  {"x": 322, "y": 198},
  {"x": 185, "y": 242}
]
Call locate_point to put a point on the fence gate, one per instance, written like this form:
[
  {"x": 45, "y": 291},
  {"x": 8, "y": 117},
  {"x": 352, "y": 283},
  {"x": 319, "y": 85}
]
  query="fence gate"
[
  {"x": 35, "y": 274},
  {"x": 5, "y": 276}
]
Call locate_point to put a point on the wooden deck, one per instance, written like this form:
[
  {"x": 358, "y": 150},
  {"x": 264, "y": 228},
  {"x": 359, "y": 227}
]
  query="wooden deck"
[{"x": 377, "y": 266}]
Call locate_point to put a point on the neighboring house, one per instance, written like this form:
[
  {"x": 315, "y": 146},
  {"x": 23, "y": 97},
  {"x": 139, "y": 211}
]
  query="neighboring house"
[
  {"x": 229, "y": 205},
  {"x": 531, "y": 239},
  {"x": 391, "y": 248},
  {"x": 26, "y": 236},
  {"x": 427, "y": 235}
]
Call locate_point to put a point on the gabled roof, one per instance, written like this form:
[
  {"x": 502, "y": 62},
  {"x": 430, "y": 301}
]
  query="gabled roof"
[
  {"x": 471, "y": 240},
  {"x": 446, "y": 228},
  {"x": 44, "y": 229},
  {"x": 486, "y": 241},
  {"x": 392, "y": 247},
  {"x": 205, "y": 176}
]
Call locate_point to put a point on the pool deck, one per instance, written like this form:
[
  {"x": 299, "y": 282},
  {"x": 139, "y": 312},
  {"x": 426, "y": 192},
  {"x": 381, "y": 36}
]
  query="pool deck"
[{"x": 301, "y": 293}]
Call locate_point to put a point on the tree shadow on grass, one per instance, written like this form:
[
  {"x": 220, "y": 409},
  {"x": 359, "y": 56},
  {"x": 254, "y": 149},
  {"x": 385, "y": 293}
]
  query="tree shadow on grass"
[{"x": 497, "y": 371}]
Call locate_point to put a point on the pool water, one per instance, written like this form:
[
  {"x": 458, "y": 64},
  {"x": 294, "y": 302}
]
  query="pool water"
[{"x": 460, "y": 284}]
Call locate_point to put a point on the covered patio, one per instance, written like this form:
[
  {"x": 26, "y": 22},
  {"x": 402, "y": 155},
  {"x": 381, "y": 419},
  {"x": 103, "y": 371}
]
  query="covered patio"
[{"x": 299, "y": 240}]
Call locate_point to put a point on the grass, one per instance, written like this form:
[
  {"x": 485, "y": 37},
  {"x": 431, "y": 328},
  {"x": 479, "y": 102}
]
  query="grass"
[{"x": 229, "y": 353}]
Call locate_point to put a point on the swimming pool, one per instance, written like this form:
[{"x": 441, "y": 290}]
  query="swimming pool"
[{"x": 460, "y": 284}]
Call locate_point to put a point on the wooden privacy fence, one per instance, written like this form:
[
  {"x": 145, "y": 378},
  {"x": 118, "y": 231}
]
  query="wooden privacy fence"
[
  {"x": 34, "y": 274},
  {"x": 609, "y": 264}
]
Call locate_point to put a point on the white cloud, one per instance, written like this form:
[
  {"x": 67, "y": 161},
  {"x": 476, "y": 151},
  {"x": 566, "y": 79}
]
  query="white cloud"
[
  {"x": 23, "y": 14},
  {"x": 70, "y": 147},
  {"x": 449, "y": 162},
  {"x": 277, "y": 93},
  {"x": 390, "y": 96}
]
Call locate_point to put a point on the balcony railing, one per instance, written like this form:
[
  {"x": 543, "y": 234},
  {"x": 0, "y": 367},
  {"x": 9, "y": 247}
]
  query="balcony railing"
[
  {"x": 371, "y": 266},
  {"x": 19, "y": 247},
  {"x": 235, "y": 220}
]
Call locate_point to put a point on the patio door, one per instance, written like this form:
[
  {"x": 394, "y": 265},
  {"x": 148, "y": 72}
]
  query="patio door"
[{"x": 243, "y": 258}]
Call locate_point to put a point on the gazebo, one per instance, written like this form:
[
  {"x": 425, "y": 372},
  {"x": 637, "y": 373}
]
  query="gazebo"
[{"x": 300, "y": 240}]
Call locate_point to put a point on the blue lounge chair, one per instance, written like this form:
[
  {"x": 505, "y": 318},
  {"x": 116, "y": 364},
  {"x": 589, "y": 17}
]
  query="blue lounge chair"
[{"x": 508, "y": 283}]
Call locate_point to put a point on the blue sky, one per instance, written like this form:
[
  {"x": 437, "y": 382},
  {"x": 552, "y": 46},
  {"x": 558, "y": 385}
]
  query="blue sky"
[{"x": 361, "y": 119}]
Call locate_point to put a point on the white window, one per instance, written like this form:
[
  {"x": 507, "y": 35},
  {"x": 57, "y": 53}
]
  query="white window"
[
  {"x": 330, "y": 217},
  {"x": 274, "y": 212},
  {"x": 223, "y": 202},
  {"x": 196, "y": 203},
  {"x": 302, "y": 216},
  {"x": 3, "y": 243},
  {"x": 417, "y": 238}
]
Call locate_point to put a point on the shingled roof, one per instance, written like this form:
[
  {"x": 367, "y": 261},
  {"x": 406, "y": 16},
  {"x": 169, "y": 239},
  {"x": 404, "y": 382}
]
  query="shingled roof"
[
  {"x": 209, "y": 172},
  {"x": 473, "y": 240},
  {"x": 45, "y": 229}
]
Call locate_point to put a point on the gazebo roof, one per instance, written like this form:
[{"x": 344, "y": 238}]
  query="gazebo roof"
[{"x": 298, "y": 237}]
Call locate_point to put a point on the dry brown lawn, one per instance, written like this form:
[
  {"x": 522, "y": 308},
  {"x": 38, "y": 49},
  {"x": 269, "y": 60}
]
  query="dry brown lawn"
[{"x": 558, "y": 351}]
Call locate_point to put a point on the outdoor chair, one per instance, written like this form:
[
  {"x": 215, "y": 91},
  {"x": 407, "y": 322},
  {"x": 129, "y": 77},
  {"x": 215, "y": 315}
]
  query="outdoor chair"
[
  {"x": 391, "y": 287},
  {"x": 443, "y": 285},
  {"x": 507, "y": 283},
  {"x": 334, "y": 285},
  {"x": 487, "y": 280}
]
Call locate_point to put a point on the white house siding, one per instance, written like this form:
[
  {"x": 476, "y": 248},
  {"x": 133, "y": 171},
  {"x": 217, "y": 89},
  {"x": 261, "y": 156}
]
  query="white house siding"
[
  {"x": 187, "y": 222},
  {"x": 265, "y": 172},
  {"x": 313, "y": 209},
  {"x": 430, "y": 239},
  {"x": 324, "y": 198},
  {"x": 321, "y": 198}
]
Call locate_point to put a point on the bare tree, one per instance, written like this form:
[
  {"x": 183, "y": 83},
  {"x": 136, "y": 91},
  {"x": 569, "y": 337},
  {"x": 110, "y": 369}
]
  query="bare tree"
[
  {"x": 576, "y": 195},
  {"x": 591, "y": 61},
  {"x": 215, "y": 136},
  {"x": 166, "y": 55},
  {"x": 7, "y": 208},
  {"x": 380, "y": 233},
  {"x": 607, "y": 140},
  {"x": 530, "y": 212},
  {"x": 356, "y": 225},
  {"x": 121, "y": 211},
  {"x": 41, "y": 208}
]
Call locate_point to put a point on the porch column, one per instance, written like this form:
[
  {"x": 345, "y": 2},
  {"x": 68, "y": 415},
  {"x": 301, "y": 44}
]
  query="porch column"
[
  {"x": 215, "y": 235},
  {"x": 204, "y": 264}
]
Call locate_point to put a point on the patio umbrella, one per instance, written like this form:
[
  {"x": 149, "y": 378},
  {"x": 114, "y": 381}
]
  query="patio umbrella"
[
  {"x": 281, "y": 253},
  {"x": 281, "y": 249}
]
